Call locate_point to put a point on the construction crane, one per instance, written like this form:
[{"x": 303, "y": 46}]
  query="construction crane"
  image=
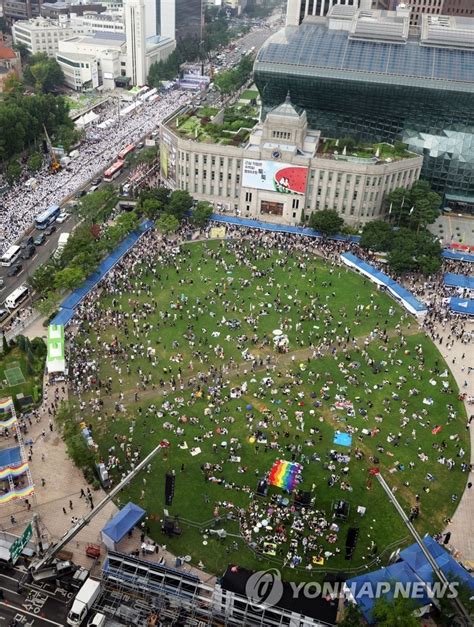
[
  {"x": 54, "y": 163},
  {"x": 52, "y": 551},
  {"x": 462, "y": 613}
]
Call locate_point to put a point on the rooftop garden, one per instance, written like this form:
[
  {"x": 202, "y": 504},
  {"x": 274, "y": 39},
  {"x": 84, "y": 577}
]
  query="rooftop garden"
[
  {"x": 349, "y": 147},
  {"x": 234, "y": 130}
]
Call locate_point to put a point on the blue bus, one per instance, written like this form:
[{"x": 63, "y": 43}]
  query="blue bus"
[{"x": 43, "y": 220}]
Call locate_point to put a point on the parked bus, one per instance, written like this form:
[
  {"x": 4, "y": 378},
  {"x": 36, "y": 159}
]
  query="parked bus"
[
  {"x": 17, "y": 297},
  {"x": 126, "y": 151},
  {"x": 111, "y": 173},
  {"x": 43, "y": 220},
  {"x": 62, "y": 241},
  {"x": 10, "y": 256}
]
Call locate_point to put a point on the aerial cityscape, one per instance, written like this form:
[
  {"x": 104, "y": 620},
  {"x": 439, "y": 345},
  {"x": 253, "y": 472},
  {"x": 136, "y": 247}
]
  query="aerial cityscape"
[{"x": 237, "y": 313}]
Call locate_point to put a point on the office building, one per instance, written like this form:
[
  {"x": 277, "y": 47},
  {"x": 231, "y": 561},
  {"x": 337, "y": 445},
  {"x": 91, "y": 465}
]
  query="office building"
[
  {"x": 144, "y": 46},
  {"x": 298, "y": 10},
  {"x": 21, "y": 9},
  {"x": 180, "y": 19},
  {"x": 461, "y": 8},
  {"x": 366, "y": 74},
  {"x": 280, "y": 170},
  {"x": 42, "y": 34}
]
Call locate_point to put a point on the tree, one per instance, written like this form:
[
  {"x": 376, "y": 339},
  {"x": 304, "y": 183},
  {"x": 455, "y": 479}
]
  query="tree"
[
  {"x": 377, "y": 236},
  {"x": 167, "y": 223},
  {"x": 415, "y": 207},
  {"x": 151, "y": 208},
  {"x": 24, "y": 52},
  {"x": 201, "y": 214},
  {"x": 13, "y": 172},
  {"x": 395, "y": 613},
  {"x": 41, "y": 280},
  {"x": 352, "y": 616},
  {"x": 128, "y": 222},
  {"x": 69, "y": 278},
  {"x": 35, "y": 162},
  {"x": 413, "y": 251},
  {"x": 43, "y": 73},
  {"x": 327, "y": 221},
  {"x": 148, "y": 155},
  {"x": 180, "y": 203},
  {"x": 90, "y": 206},
  {"x": 12, "y": 85}
]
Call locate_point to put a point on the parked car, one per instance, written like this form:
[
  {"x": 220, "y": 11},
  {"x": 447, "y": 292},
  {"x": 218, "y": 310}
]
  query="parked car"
[
  {"x": 50, "y": 230},
  {"x": 62, "y": 217},
  {"x": 3, "y": 314},
  {"x": 29, "y": 252},
  {"x": 39, "y": 240},
  {"x": 80, "y": 193},
  {"x": 14, "y": 270},
  {"x": 27, "y": 242},
  {"x": 96, "y": 181}
]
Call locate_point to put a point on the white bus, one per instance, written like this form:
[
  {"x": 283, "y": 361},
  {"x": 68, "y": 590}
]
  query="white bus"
[
  {"x": 17, "y": 297},
  {"x": 10, "y": 256}
]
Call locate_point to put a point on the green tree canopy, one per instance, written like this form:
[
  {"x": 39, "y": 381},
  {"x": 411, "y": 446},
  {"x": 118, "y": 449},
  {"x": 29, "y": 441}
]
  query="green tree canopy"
[
  {"x": 69, "y": 278},
  {"x": 416, "y": 206},
  {"x": 395, "y": 613},
  {"x": 35, "y": 162},
  {"x": 201, "y": 214},
  {"x": 327, "y": 221},
  {"x": 413, "y": 251},
  {"x": 377, "y": 236},
  {"x": 151, "y": 208},
  {"x": 179, "y": 203},
  {"x": 167, "y": 223},
  {"x": 127, "y": 221},
  {"x": 43, "y": 73}
]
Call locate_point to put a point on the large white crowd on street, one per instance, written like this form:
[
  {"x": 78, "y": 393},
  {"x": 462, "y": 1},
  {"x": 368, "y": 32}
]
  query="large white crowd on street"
[{"x": 99, "y": 148}]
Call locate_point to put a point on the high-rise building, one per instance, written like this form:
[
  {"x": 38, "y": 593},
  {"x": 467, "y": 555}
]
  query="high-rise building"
[
  {"x": 462, "y": 8},
  {"x": 180, "y": 19},
  {"x": 297, "y": 10},
  {"x": 366, "y": 74},
  {"x": 135, "y": 29}
]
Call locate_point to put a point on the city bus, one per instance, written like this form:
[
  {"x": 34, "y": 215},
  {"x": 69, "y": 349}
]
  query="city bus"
[
  {"x": 10, "y": 256},
  {"x": 111, "y": 173},
  {"x": 17, "y": 297},
  {"x": 126, "y": 151},
  {"x": 43, "y": 220}
]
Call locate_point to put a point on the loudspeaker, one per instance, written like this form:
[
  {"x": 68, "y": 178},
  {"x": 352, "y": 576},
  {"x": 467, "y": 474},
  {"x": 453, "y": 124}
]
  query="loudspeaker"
[
  {"x": 169, "y": 487},
  {"x": 262, "y": 488}
]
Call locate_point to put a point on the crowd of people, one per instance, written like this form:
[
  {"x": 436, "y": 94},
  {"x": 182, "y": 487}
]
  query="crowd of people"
[
  {"x": 193, "y": 365},
  {"x": 98, "y": 149}
]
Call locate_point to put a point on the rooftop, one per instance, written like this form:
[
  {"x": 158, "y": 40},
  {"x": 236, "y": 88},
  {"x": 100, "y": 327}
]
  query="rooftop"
[
  {"x": 203, "y": 126},
  {"x": 312, "y": 49}
]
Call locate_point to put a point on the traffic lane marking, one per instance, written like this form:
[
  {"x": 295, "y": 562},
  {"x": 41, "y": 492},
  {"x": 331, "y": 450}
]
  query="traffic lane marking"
[{"x": 22, "y": 610}]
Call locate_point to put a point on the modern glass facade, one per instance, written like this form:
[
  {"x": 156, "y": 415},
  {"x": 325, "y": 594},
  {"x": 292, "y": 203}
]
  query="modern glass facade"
[{"x": 379, "y": 92}]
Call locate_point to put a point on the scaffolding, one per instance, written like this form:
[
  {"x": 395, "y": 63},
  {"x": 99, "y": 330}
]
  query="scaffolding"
[{"x": 138, "y": 592}]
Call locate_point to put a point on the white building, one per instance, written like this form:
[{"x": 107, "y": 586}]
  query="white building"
[
  {"x": 93, "y": 61},
  {"x": 144, "y": 46},
  {"x": 42, "y": 35},
  {"x": 90, "y": 23}
]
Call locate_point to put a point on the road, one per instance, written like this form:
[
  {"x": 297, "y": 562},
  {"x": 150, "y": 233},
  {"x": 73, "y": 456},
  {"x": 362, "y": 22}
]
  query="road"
[{"x": 30, "y": 608}]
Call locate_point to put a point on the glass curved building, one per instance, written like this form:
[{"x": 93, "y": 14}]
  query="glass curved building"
[{"x": 366, "y": 74}]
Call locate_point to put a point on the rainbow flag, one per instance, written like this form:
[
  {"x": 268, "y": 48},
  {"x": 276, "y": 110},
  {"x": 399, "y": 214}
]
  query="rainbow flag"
[
  {"x": 8, "y": 422},
  {"x": 285, "y": 475},
  {"x": 14, "y": 471},
  {"x": 17, "y": 494}
]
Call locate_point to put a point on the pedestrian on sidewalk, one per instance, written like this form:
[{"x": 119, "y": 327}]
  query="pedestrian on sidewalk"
[{"x": 70, "y": 505}]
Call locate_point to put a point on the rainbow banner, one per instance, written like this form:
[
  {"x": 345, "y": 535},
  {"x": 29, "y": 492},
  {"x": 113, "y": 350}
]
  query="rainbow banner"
[
  {"x": 8, "y": 422},
  {"x": 285, "y": 475},
  {"x": 17, "y": 494},
  {"x": 6, "y": 405},
  {"x": 14, "y": 471}
]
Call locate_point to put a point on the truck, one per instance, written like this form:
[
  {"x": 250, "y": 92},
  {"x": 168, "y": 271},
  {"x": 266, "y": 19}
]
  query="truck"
[
  {"x": 62, "y": 241},
  {"x": 83, "y": 602}
]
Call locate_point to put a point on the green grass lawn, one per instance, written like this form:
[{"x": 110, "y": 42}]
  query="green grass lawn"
[
  {"x": 14, "y": 357},
  {"x": 211, "y": 284}
]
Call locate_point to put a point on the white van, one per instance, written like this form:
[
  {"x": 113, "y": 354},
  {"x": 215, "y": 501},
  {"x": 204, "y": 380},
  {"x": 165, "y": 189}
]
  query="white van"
[{"x": 98, "y": 620}]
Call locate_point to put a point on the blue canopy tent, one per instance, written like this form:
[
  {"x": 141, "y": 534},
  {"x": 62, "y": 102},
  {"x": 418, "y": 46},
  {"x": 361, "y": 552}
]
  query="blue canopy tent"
[
  {"x": 118, "y": 526},
  {"x": 463, "y": 281},
  {"x": 463, "y": 306},
  {"x": 10, "y": 456},
  {"x": 458, "y": 256},
  {"x": 412, "y": 568}
]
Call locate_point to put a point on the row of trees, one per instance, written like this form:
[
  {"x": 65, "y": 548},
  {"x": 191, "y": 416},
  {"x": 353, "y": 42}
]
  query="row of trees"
[
  {"x": 89, "y": 243},
  {"x": 409, "y": 246},
  {"x": 231, "y": 80}
]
